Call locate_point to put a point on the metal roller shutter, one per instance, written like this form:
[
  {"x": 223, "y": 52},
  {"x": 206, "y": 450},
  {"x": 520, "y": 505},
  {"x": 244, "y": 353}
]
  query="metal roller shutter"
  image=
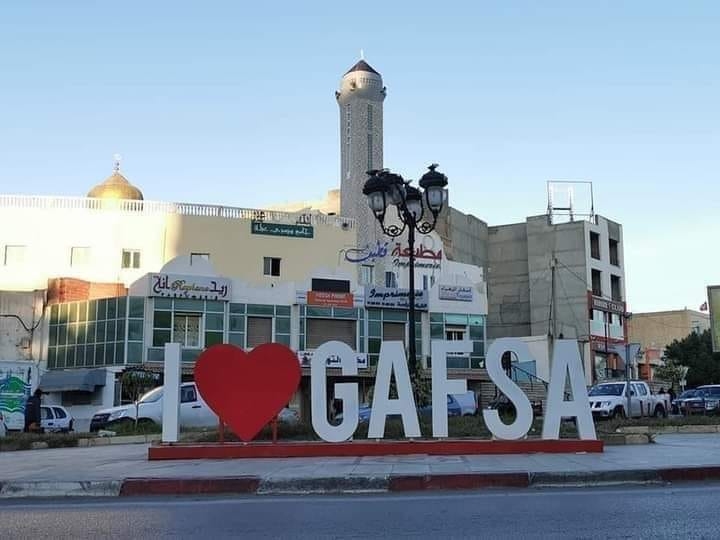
[
  {"x": 259, "y": 331},
  {"x": 393, "y": 331},
  {"x": 321, "y": 330}
]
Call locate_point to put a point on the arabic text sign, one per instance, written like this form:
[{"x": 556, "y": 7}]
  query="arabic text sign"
[
  {"x": 321, "y": 298},
  {"x": 387, "y": 297},
  {"x": 420, "y": 252},
  {"x": 458, "y": 293},
  {"x": 359, "y": 255},
  {"x": 281, "y": 229},
  {"x": 196, "y": 287},
  {"x": 333, "y": 361}
]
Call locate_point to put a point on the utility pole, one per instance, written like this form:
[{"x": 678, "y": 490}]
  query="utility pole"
[
  {"x": 552, "y": 327},
  {"x": 627, "y": 377},
  {"x": 627, "y": 367}
]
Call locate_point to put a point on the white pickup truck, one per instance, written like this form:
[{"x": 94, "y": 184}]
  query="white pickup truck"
[{"x": 609, "y": 399}]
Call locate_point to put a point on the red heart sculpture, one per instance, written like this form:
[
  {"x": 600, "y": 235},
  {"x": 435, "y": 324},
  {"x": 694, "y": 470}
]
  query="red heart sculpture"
[{"x": 247, "y": 390}]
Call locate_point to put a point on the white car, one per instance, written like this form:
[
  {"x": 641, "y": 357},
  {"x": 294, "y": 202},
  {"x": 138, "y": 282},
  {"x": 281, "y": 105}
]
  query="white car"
[
  {"x": 194, "y": 412},
  {"x": 54, "y": 419}
]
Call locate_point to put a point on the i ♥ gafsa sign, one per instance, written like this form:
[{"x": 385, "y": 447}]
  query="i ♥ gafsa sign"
[{"x": 247, "y": 390}]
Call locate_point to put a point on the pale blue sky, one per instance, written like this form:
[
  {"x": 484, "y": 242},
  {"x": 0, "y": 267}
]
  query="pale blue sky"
[{"x": 231, "y": 103}]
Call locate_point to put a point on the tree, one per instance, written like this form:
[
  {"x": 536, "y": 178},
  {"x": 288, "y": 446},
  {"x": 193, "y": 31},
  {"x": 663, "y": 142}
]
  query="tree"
[
  {"x": 695, "y": 352},
  {"x": 135, "y": 382},
  {"x": 671, "y": 372}
]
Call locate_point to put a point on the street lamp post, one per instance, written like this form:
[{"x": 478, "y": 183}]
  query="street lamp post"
[{"x": 384, "y": 189}]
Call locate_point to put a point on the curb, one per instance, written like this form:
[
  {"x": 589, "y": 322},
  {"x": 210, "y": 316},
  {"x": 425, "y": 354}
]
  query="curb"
[
  {"x": 188, "y": 486},
  {"x": 347, "y": 484},
  {"x": 253, "y": 485},
  {"x": 103, "y": 488}
]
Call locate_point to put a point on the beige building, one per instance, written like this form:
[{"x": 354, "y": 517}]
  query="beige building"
[
  {"x": 656, "y": 330},
  {"x": 105, "y": 239}
]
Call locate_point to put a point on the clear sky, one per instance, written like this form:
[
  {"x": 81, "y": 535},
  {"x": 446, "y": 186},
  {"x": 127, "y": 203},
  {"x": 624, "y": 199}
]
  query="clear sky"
[{"x": 232, "y": 103}]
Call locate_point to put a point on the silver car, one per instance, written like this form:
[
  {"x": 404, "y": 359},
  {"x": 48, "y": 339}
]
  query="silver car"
[{"x": 54, "y": 418}]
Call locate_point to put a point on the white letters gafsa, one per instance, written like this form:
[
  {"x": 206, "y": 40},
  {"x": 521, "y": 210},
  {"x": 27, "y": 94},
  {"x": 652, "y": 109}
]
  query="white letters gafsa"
[{"x": 566, "y": 363}]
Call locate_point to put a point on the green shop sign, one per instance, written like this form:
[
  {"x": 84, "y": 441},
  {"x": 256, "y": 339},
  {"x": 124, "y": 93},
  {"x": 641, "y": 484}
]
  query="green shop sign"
[{"x": 280, "y": 229}]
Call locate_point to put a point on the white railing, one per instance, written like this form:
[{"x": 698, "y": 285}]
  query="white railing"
[{"x": 38, "y": 202}]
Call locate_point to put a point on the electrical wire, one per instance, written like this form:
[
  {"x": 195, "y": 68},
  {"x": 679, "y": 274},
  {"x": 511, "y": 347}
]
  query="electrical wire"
[{"x": 27, "y": 328}]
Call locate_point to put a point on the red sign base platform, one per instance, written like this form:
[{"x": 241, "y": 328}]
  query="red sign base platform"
[{"x": 361, "y": 448}]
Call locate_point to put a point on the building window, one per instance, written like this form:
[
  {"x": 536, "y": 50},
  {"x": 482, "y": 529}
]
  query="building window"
[
  {"x": 14, "y": 255},
  {"x": 595, "y": 245},
  {"x": 186, "y": 330},
  {"x": 131, "y": 258},
  {"x": 366, "y": 274},
  {"x": 615, "y": 288},
  {"x": 271, "y": 266},
  {"x": 321, "y": 330},
  {"x": 195, "y": 257},
  {"x": 455, "y": 333},
  {"x": 428, "y": 281},
  {"x": 259, "y": 331},
  {"x": 614, "y": 258},
  {"x": 79, "y": 256},
  {"x": 370, "y": 117},
  {"x": 391, "y": 280},
  {"x": 596, "y": 282}
]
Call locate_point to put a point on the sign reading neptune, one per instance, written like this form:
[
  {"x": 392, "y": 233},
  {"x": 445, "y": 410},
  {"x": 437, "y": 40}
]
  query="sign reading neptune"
[{"x": 565, "y": 363}]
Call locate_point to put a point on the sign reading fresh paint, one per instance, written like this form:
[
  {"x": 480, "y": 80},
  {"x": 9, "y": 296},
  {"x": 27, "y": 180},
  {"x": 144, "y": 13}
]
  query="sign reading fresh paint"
[
  {"x": 195, "y": 287},
  {"x": 281, "y": 229},
  {"x": 457, "y": 293},
  {"x": 566, "y": 364},
  {"x": 386, "y": 297}
]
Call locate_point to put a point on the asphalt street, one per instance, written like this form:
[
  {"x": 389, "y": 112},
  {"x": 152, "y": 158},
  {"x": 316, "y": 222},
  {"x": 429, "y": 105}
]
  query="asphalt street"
[{"x": 641, "y": 512}]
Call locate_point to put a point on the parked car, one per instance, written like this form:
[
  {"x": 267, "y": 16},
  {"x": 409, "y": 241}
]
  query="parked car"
[
  {"x": 55, "y": 419},
  {"x": 694, "y": 404},
  {"x": 194, "y": 412},
  {"x": 678, "y": 402},
  {"x": 505, "y": 406},
  {"x": 608, "y": 400},
  {"x": 467, "y": 402},
  {"x": 711, "y": 397},
  {"x": 456, "y": 407}
]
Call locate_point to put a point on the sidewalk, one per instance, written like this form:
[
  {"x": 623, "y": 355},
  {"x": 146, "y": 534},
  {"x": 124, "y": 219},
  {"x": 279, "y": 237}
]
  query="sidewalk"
[{"x": 125, "y": 470}]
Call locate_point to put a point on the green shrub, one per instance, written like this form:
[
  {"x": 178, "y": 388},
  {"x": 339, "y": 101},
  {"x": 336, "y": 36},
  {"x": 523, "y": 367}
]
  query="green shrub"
[{"x": 24, "y": 441}]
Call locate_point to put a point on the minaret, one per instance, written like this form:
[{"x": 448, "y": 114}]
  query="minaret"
[{"x": 360, "y": 99}]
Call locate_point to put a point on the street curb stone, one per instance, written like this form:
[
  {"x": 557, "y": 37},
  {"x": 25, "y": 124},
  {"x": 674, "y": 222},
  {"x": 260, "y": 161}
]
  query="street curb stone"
[
  {"x": 343, "y": 484},
  {"x": 103, "y": 488},
  {"x": 189, "y": 486},
  {"x": 354, "y": 484},
  {"x": 459, "y": 481}
]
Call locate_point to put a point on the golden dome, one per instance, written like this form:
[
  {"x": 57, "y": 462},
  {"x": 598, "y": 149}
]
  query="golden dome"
[{"x": 116, "y": 187}]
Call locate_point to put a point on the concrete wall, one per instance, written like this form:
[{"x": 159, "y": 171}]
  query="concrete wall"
[
  {"x": 17, "y": 342},
  {"x": 469, "y": 238},
  {"x": 566, "y": 243},
  {"x": 658, "y": 329},
  {"x": 508, "y": 281}
]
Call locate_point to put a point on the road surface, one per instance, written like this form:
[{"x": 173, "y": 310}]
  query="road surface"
[{"x": 638, "y": 512}]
